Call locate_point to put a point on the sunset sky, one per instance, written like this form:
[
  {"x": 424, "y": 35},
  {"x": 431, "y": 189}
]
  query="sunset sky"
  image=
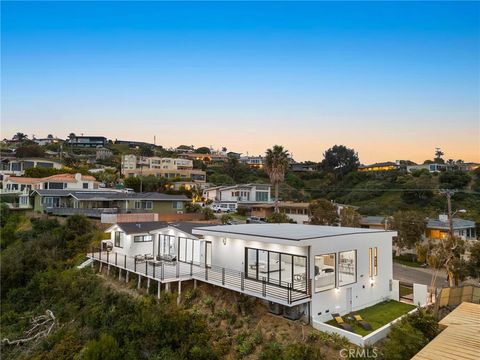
[{"x": 391, "y": 80}]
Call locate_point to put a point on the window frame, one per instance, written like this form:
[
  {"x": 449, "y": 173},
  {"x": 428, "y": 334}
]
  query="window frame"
[
  {"x": 135, "y": 237},
  {"x": 356, "y": 272},
  {"x": 117, "y": 237},
  {"x": 335, "y": 285}
]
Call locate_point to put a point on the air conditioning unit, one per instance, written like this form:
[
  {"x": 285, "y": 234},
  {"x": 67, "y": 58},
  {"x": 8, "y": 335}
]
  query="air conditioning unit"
[
  {"x": 275, "y": 308},
  {"x": 294, "y": 312},
  {"x": 179, "y": 212}
]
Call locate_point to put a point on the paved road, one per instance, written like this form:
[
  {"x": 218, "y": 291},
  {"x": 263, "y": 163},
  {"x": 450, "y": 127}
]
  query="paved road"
[
  {"x": 423, "y": 276},
  {"x": 418, "y": 275}
]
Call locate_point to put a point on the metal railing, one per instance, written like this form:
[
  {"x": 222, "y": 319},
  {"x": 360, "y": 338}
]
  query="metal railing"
[
  {"x": 232, "y": 279},
  {"x": 67, "y": 211}
]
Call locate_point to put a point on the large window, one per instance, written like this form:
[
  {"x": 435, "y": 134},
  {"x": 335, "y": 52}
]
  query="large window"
[
  {"x": 325, "y": 272},
  {"x": 375, "y": 272},
  {"x": 118, "y": 239},
  {"x": 276, "y": 268},
  {"x": 142, "y": 238},
  {"x": 189, "y": 250},
  {"x": 261, "y": 195},
  {"x": 347, "y": 267},
  {"x": 166, "y": 245},
  {"x": 143, "y": 205}
]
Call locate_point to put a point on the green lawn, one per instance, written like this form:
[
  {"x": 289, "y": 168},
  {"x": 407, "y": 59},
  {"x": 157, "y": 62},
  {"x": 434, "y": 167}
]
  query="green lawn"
[{"x": 377, "y": 315}]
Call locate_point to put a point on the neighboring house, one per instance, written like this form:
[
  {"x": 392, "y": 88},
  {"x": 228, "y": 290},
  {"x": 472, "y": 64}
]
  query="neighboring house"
[
  {"x": 298, "y": 212},
  {"x": 300, "y": 270},
  {"x": 22, "y": 186},
  {"x": 438, "y": 229},
  {"x": 184, "y": 149},
  {"x": 303, "y": 167},
  {"x": 209, "y": 159},
  {"x": 253, "y": 162},
  {"x": 17, "y": 167},
  {"x": 170, "y": 168},
  {"x": 87, "y": 141},
  {"x": 232, "y": 196},
  {"x": 46, "y": 141},
  {"x": 382, "y": 166},
  {"x": 103, "y": 153},
  {"x": 95, "y": 202},
  {"x": 373, "y": 222},
  {"x": 60, "y": 181},
  {"x": 133, "y": 144},
  {"x": 433, "y": 168}
]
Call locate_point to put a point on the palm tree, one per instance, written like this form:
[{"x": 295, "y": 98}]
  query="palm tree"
[
  {"x": 19, "y": 136},
  {"x": 276, "y": 163}
]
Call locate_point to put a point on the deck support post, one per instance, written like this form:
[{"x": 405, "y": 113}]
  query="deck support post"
[
  {"x": 194, "y": 283},
  {"x": 100, "y": 268},
  {"x": 148, "y": 283},
  {"x": 179, "y": 292},
  {"x": 139, "y": 281},
  {"x": 126, "y": 276},
  {"x": 167, "y": 287},
  {"x": 119, "y": 274},
  {"x": 108, "y": 270},
  {"x": 159, "y": 289}
]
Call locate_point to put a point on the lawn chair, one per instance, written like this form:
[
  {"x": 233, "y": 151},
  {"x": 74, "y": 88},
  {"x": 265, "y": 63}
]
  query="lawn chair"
[
  {"x": 362, "y": 322},
  {"x": 342, "y": 323}
]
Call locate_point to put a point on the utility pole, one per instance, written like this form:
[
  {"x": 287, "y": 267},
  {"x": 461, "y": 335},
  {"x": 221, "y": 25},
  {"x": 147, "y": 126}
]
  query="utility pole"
[{"x": 448, "y": 193}]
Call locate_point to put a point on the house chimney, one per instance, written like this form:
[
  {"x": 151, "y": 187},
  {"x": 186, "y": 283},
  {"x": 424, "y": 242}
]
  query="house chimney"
[
  {"x": 78, "y": 177},
  {"x": 443, "y": 217}
]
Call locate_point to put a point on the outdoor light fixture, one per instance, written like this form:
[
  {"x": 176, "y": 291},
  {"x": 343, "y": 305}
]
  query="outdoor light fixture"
[{"x": 371, "y": 281}]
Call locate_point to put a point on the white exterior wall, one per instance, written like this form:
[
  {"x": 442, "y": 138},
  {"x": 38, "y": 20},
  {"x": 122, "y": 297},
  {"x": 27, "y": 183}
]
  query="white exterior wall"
[
  {"x": 131, "y": 248},
  {"x": 363, "y": 294},
  {"x": 231, "y": 255}
]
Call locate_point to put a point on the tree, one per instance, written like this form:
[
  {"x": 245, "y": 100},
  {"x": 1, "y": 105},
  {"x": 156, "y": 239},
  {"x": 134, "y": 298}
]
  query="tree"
[
  {"x": 19, "y": 136},
  {"x": 438, "y": 156},
  {"x": 410, "y": 226},
  {"x": 276, "y": 164},
  {"x": 208, "y": 213},
  {"x": 105, "y": 348},
  {"x": 454, "y": 180},
  {"x": 279, "y": 218},
  {"x": 340, "y": 160},
  {"x": 202, "y": 150},
  {"x": 350, "y": 217},
  {"x": 323, "y": 212},
  {"x": 448, "y": 254},
  {"x": 30, "y": 151},
  {"x": 146, "y": 150},
  {"x": 474, "y": 260},
  {"x": 226, "y": 218}
]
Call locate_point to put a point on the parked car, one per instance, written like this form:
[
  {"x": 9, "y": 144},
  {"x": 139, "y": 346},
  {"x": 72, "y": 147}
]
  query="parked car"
[
  {"x": 256, "y": 220},
  {"x": 218, "y": 208}
]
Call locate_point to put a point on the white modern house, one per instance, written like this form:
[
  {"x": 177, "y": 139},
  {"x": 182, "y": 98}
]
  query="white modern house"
[
  {"x": 300, "y": 270},
  {"x": 229, "y": 197}
]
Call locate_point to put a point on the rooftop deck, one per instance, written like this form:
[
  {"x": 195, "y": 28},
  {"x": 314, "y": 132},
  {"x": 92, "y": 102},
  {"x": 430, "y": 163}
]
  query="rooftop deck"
[{"x": 166, "y": 272}]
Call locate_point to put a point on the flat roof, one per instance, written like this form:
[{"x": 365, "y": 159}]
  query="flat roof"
[
  {"x": 460, "y": 340},
  {"x": 295, "y": 232}
]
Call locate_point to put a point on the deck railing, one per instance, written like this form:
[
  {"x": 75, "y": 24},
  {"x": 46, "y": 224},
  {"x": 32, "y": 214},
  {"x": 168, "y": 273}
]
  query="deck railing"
[{"x": 232, "y": 279}]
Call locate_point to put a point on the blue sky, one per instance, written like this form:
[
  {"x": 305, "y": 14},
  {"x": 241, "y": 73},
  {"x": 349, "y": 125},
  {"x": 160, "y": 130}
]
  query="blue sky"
[{"x": 392, "y": 80}]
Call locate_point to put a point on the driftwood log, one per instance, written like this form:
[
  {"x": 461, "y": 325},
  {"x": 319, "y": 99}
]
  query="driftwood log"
[{"x": 41, "y": 327}]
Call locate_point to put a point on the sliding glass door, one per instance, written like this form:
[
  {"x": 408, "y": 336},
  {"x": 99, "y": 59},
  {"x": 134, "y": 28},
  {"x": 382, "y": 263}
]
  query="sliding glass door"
[{"x": 277, "y": 268}]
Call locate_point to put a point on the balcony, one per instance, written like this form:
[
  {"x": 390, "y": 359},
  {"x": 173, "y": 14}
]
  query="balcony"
[
  {"x": 92, "y": 213},
  {"x": 166, "y": 272}
]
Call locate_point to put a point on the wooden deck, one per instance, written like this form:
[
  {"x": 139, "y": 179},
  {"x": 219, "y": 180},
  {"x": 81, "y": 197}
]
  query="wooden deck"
[
  {"x": 165, "y": 272},
  {"x": 461, "y": 338}
]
